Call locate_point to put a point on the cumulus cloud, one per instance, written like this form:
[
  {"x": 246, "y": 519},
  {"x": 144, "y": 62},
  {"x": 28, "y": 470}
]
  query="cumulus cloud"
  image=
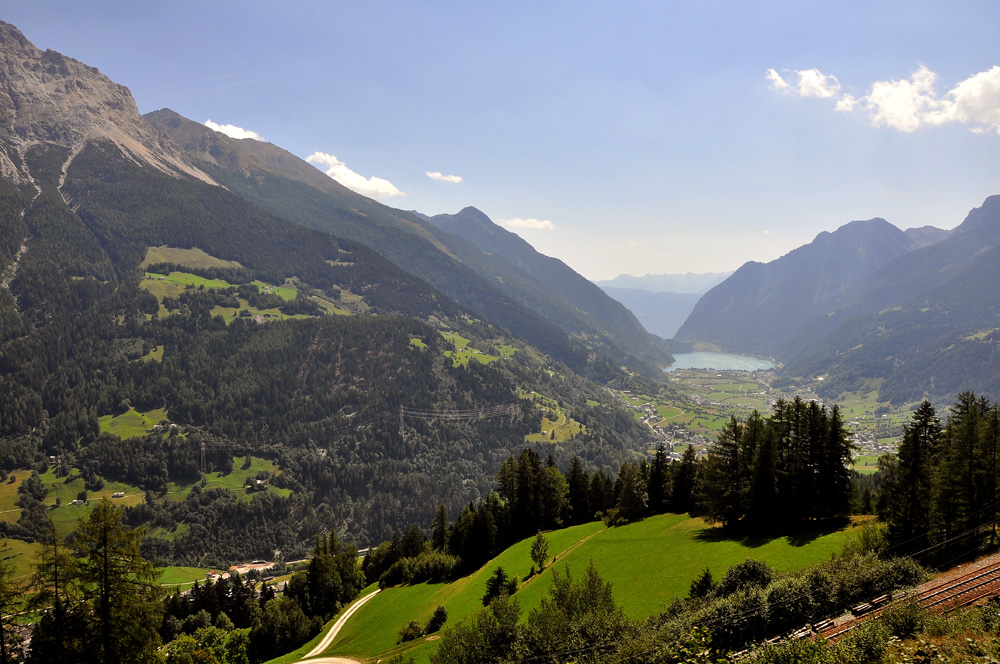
[
  {"x": 373, "y": 187},
  {"x": 777, "y": 83},
  {"x": 909, "y": 104},
  {"x": 811, "y": 83},
  {"x": 847, "y": 103},
  {"x": 233, "y": 131},
  {"x": 520, "y": 223},
  {"x": 440, "y": 177}
]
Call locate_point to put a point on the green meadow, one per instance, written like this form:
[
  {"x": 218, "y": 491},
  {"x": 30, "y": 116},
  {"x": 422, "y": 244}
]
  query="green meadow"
[
  {"x": 648, "y": 564},
  {"x": 233, "y": 481},
  {"x": 132, "y": 423}
]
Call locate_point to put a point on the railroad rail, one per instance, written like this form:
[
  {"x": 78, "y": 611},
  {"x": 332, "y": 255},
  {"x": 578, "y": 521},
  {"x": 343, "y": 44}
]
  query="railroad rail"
[{"x": 950, "y": 594}]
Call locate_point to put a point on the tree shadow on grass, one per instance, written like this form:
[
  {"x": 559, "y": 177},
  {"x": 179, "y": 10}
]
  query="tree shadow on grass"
[{"x": 796, "y": 537}]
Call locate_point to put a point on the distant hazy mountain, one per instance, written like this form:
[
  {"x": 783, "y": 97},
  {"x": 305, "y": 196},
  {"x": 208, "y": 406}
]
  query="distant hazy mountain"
[
  {"x": 660, "y": 313},
  {"x": 761, "y": 306},
  {"x": 927, "y": 235},
  {"x": 926, "y": 323},
  {"x": 672, "y": 283}
]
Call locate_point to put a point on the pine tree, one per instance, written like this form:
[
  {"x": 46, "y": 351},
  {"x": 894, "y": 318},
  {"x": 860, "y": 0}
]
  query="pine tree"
[
  {"x": 539, "y": 551},
  {"x": 579, "y": 492},
  {"x": 909, "y": 496},
  {"x": 721, "y": 490},
  {"x": 684, "y": 480},
  {"x": 120, "y": 587},
  {"x": 658, "y": 488},
  {"x": 439, "y": 528}
]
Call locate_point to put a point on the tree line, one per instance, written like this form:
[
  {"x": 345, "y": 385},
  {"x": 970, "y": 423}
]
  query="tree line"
[{"x": 940, "y": 491}]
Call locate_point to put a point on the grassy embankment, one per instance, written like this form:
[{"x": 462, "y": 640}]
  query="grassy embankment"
[{"x": 648, "y": 563}]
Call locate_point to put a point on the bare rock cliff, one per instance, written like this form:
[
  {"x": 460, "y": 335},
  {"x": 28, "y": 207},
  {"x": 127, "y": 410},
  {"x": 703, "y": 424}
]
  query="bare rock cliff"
[{"x": 48, "y": 98}]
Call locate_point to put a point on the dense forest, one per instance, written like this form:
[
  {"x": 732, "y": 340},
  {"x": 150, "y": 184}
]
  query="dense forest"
[{"x": 318, "y": 395}]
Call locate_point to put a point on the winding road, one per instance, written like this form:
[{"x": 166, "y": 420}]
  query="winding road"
[{"x": 312, "y": 657}]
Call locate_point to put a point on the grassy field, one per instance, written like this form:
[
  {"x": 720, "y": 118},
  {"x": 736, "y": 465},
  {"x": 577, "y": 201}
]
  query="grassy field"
[
  {"x": 463, "y": 353},
  {"x": 132, "y": 423},
  {"x": 234, "y": 481},
  {"x": 648, "y": 563},
  {"x": 195, "y": 258},
  {"x": 866, "y": 464},
  {"x": 182, "y": 576},
  {"x": 21, "y": 556},
  {"x": 559, "y": 430},
  {"x": 175, "y": 283}
]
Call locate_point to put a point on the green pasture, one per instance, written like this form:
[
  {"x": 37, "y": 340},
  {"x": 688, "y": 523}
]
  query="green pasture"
[
  {"x": 182, "y": 576},
  {"x": 10, "y": 512},
  {"x": 563, "y": 428},
  {"x": 155, "y": 355},
  {"x": 866, "y": 464},
  {"x": 195, "y": 258},
  {"x": 21, "y": 556},
  {"x": 132, "y": 423},
  {"x": 234, "y": 481},
  {"x": 287, "y": 292},
  {"x": 463, "y": 353},
  {"x": 648, "y": 564}
]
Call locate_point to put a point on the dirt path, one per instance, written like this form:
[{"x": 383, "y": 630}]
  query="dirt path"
[{"x": 332, "y": 634}]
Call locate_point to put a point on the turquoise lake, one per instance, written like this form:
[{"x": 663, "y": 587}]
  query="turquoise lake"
[{"x": 719, "y": 362}]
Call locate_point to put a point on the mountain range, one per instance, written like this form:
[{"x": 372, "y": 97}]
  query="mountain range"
[
  {"x": 910, "y": 313},
  {"x": 536, "y": 297},
  {"x": 245, "y": 303}
]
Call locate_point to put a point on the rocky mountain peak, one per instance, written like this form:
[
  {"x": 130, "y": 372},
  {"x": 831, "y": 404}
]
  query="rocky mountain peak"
[{"x": 49, "y": 98}]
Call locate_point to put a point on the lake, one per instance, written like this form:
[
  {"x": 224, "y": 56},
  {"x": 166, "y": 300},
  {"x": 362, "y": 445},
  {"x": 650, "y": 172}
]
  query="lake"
[{"x": 720, "y": 362}]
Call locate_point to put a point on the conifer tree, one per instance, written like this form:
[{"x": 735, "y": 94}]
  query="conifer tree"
[
  {"x": 909, "y": 494},
  {"x": 120, "y": 587}
]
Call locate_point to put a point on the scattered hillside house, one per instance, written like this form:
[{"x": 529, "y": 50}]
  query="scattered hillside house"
[
  {"x": 118, "y": 494},
  {"x": 78, "y": 502}
]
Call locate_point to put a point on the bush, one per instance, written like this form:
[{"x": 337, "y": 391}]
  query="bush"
[
  {"x": 410, "y": 632},
  {"x": 436, "y": 621},
  {"x": 398, "y": 573},
  {"x": 432, "y": 566},
  {"x": 748, "y": 574}
]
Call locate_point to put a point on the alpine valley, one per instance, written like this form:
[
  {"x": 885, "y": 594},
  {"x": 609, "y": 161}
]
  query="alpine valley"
[
  {"x": 248, "y": 306},
  {"x": 212, "y": 353}
]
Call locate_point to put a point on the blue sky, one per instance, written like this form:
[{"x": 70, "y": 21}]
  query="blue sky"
[{"x": 634, "y": 137}]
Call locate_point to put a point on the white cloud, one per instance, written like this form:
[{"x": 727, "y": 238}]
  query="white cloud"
[
  {"x": 437, "y": 175},
  {"x": 777, "y": 83},
  {"x": 813, "y": 83},
  {"x": 903, "y": 105},
  {"x": 338, "y": 170},
  {"x": 527, "y": 223},
  {"x": 233, "y": 131},
  {"x": 908, "y": 104},
  {"x": 847, "y": 103}
]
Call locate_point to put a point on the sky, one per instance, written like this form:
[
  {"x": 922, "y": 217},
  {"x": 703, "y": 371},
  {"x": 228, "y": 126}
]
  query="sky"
[{"x": 627, "y": 137}]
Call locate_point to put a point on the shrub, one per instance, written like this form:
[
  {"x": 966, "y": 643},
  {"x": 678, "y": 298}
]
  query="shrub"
[
  {"x": 436, "y": 620},
  {"x": 748, "y": 574},
  {"x": 410, "y": 632}
]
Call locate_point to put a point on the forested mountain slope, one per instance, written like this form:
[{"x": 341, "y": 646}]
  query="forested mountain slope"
[
  {"x": 579, "y": 299},
  {"x": 133, "y": 285},
  {"x": 491, "y": 285},
  {"x": 761, "y": 306},
  {"x": 925, "y": 324}
]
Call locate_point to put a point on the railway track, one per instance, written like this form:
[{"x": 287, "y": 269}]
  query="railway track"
[{"x": 947, "y": 595}]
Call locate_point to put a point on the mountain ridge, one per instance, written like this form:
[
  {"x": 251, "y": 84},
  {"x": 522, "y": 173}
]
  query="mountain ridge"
[{"x": 761, "y": 305}]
